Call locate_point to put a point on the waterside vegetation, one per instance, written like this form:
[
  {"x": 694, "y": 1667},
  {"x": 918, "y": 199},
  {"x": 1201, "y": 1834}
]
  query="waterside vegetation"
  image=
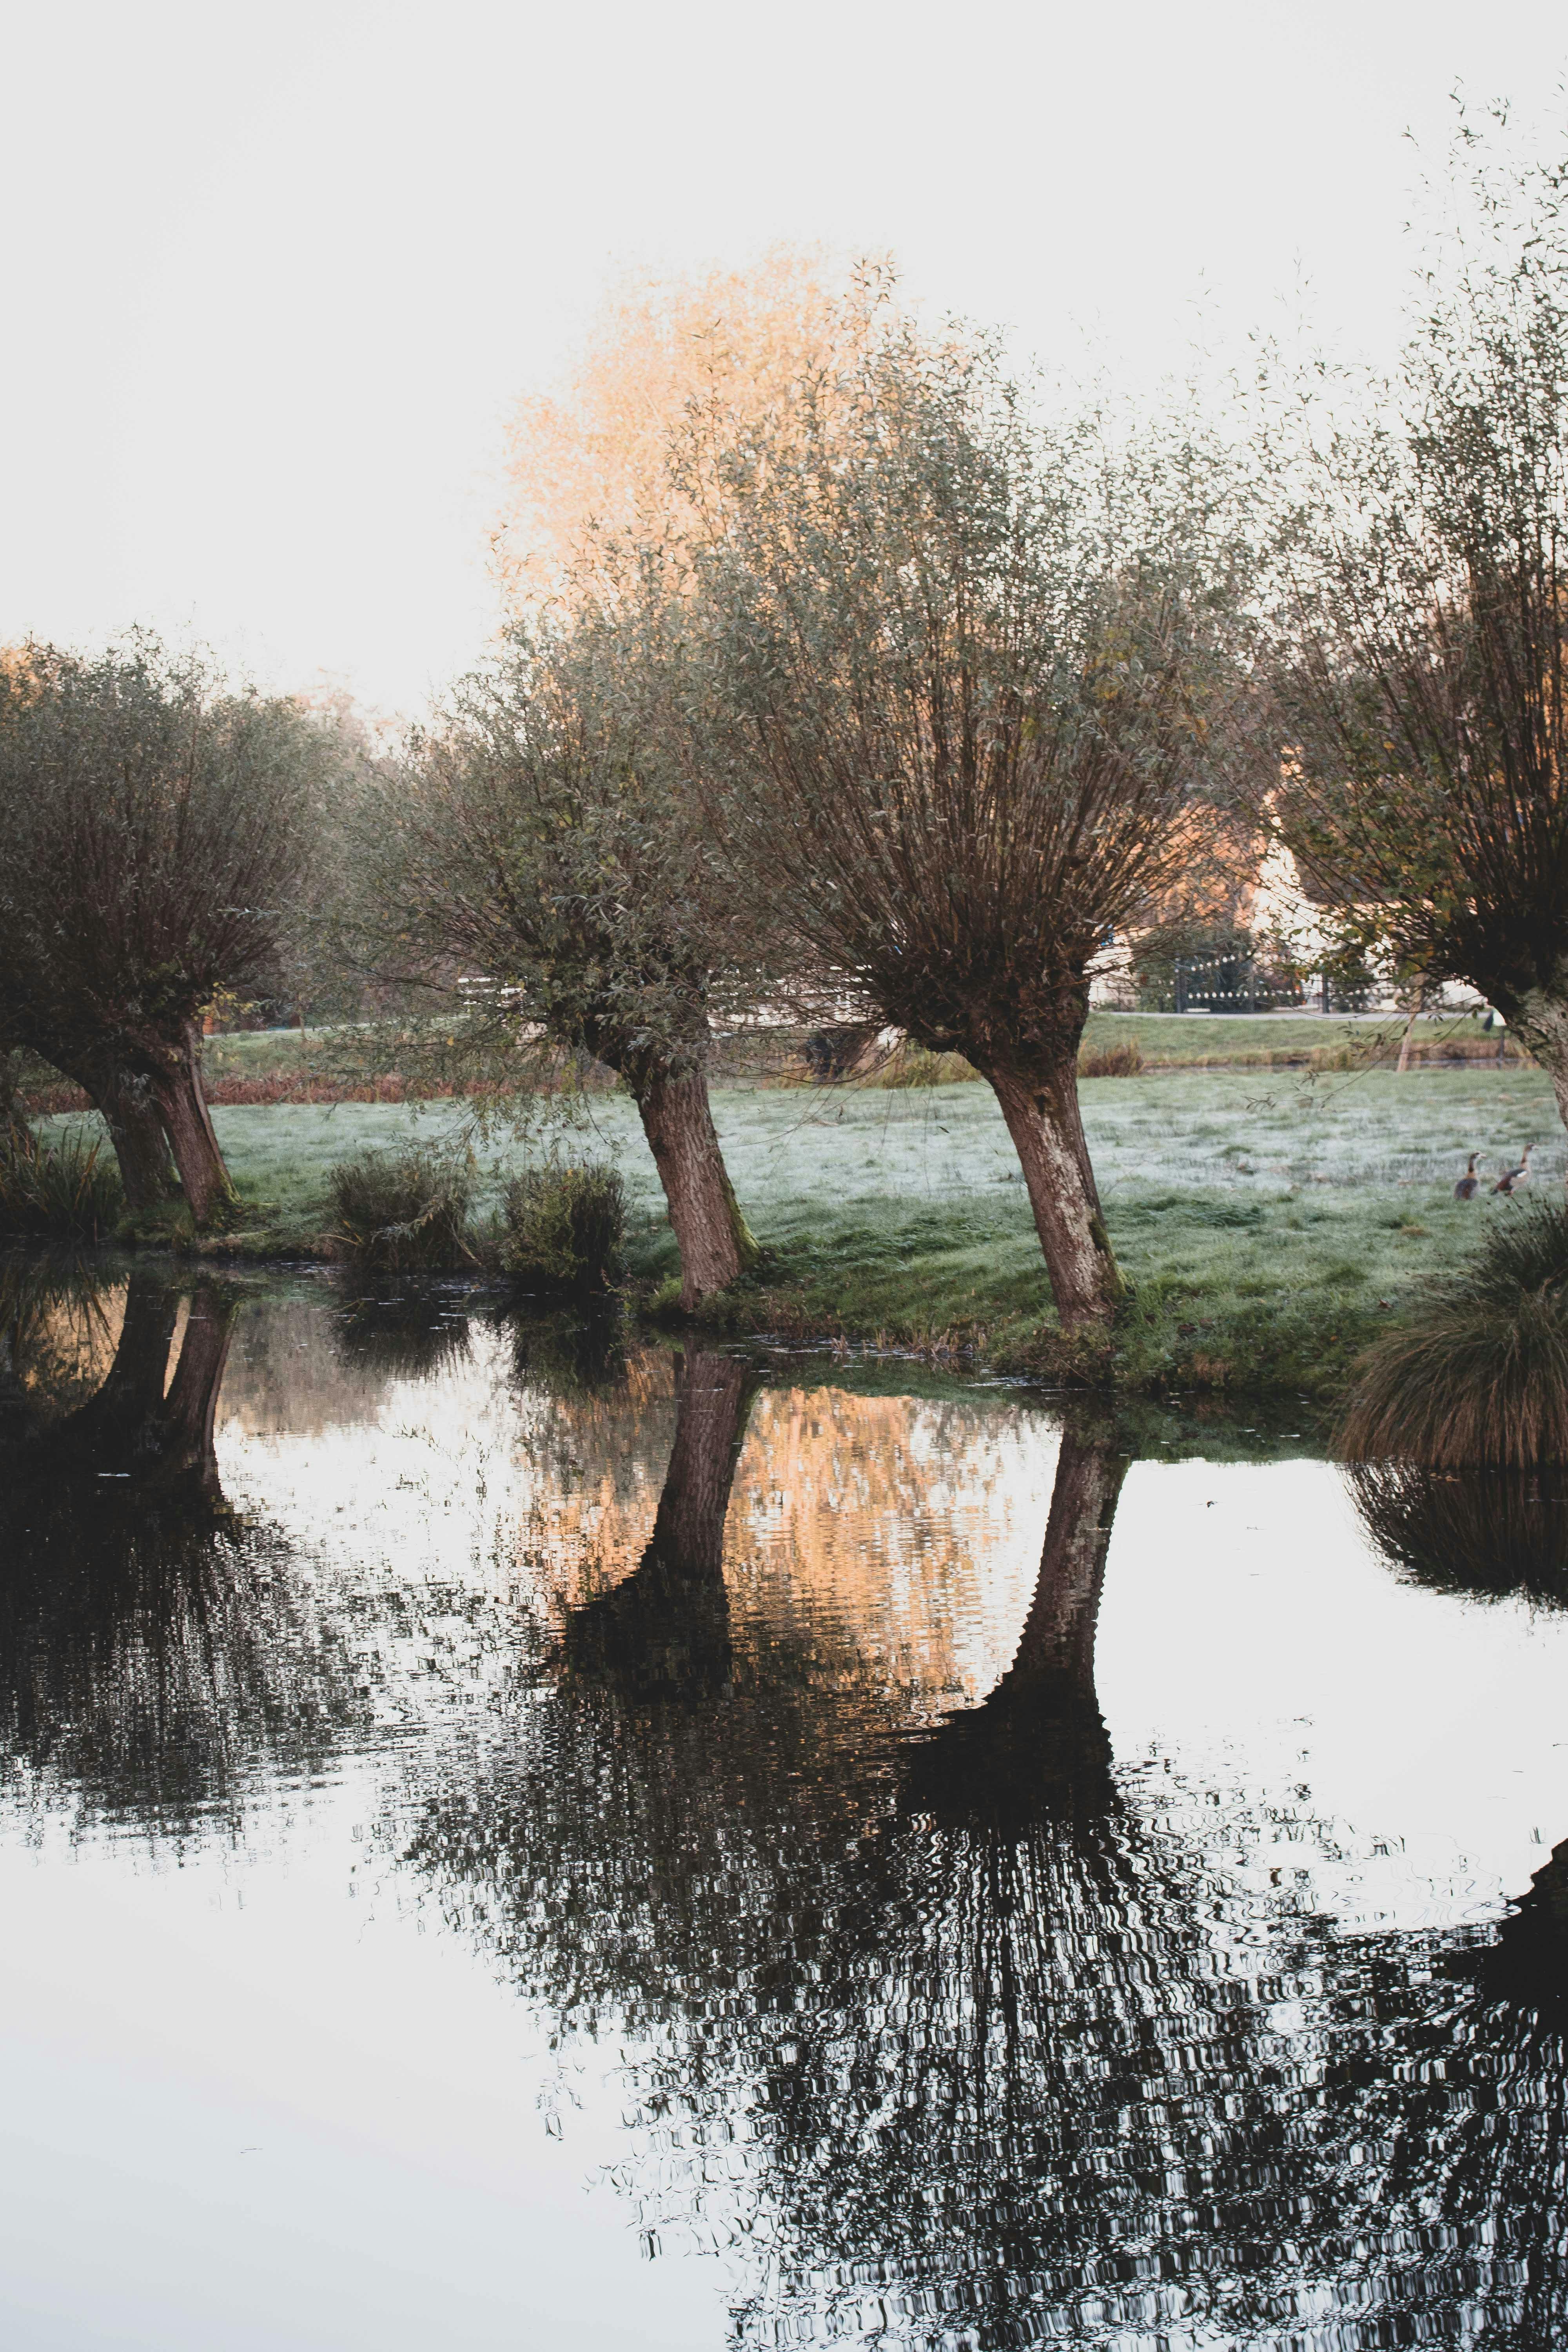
[{"x": 1271, "y": 1224}]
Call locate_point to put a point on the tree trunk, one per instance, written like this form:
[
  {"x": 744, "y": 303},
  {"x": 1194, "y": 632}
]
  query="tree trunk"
[
  {"x": 182, "y": 1108},
  {"x": 1041, "y": 1108},
  {"x": 125, "y": 1102},
  {"x": 666, "y": 1629},
  {"x": 1540, "y": 1021},
  {"x": 146, "y": 1171},
  {"x": 1056, "y": 1644},
  {"x": 14, "y": 1125},
  {"x": 1403, "y": 1062},
  {"x": 715, "y": 1242}
]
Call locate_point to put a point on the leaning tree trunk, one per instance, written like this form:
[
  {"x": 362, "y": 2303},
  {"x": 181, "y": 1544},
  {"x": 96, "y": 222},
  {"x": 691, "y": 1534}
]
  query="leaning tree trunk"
[
  {"x": 715, "y": 1242},
  {"x": 176, "y": 1082},
  {"x": 125, "y": 1103},
  {"x": 146, "y": 1171},
  {"x": 1040, "y": 1106}
]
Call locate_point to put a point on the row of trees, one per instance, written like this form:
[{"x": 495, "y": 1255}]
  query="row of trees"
[{"x": 839, "y": 681}]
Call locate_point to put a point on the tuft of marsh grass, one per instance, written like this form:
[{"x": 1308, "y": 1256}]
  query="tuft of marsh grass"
[
  {"x": 565, "y": 1227},
  {"x": 62, "y": 1186},
  {"x": 396, "y": 1210},
  {"x": 1478, "y": 1376}
]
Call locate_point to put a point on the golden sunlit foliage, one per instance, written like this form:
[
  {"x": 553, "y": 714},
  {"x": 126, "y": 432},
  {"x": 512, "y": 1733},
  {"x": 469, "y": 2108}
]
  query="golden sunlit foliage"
[{"x": 589, "y": 462}]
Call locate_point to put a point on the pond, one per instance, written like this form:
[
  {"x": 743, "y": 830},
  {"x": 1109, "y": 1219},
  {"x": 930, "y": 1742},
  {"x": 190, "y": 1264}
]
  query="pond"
[{"x": 512, "y": 1834}]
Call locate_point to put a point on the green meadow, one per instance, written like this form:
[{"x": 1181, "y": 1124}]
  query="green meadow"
[{"x": 1269, "y": 1220}]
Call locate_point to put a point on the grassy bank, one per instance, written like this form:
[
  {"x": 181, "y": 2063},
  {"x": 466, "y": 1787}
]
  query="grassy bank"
[{"x": 1270, "y": 1222}]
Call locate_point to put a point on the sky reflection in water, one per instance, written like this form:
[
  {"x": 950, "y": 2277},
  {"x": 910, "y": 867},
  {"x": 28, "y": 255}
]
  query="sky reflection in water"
[{"x": 481, "y": 1808}]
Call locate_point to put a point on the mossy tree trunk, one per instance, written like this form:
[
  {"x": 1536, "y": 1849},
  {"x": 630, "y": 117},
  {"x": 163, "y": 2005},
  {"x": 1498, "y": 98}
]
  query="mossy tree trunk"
[
  {"x": 716, "y": 1245},
  {"x": 176, "y": 1078},
  {"x": 1040, "y": 1102}
]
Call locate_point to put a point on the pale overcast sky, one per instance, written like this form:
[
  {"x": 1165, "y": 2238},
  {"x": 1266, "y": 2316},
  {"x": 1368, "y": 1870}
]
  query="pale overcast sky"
[{"x": 274, "y": 274}]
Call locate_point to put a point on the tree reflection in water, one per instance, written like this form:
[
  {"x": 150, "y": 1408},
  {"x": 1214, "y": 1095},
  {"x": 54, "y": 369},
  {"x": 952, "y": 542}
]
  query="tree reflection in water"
[
  {"x": 957, "y": 2041},
  {"x": 152, "y": 1659},
  {"x": 953, "y": 2039}
]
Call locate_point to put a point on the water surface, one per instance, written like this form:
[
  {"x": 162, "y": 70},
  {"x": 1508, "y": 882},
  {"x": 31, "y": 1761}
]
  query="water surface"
[{"x": 510, "y": 1838}]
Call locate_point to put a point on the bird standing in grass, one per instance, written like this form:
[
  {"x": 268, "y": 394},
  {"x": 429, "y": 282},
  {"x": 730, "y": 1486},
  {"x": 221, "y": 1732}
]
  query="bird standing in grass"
[
  {"x": 1470, "y": 1182},
  {"x": 1514, "y": 1180}
]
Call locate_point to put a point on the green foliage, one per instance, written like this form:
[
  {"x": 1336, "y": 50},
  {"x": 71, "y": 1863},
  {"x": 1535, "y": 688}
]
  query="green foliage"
[
  {"x": 401, "y": 1209},
  {"x": 1422, "y": 619},
  {"x": 63, "y": 1185},
  {"x": 155, "y": 822},
  {"x": 565, "y": 1227},
  {"x": 1478, "y": 1376}
]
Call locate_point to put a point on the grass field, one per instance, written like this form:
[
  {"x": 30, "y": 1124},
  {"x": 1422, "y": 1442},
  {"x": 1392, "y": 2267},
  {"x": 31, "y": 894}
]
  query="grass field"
[
  {"x": 326, "y": 1061},
  {"x": 1271, "y": 1221}
]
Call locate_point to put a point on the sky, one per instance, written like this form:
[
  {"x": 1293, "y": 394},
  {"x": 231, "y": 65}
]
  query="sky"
[{"x": 275, "y": 275}]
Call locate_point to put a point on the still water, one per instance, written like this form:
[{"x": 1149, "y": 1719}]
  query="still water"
[{"x": 511, "y": 1840}]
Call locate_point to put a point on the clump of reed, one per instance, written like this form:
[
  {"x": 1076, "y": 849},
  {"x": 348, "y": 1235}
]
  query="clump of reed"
[
  {"x": 565, "y": 1228},
  {"x": 1123, "y": 1060},
  {"x": 398, "y": 1209},
  {"x": 1478, "y": 1377},
  {"x": 62, "y": 1187}
]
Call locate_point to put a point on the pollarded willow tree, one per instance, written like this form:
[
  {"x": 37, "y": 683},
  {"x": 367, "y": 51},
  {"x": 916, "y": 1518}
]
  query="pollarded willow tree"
[
  {"x": 1421, "y": 660},
  {"x": 976, "y": 673},
  {"x": 536, "y": 862},
  {"x": 153, "y": 825}
]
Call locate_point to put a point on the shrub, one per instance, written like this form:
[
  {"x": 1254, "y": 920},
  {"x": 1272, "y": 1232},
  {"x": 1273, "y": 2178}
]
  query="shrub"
[
  {"x": 401, "y": 1209},
  {"x": 565, "y": 1227},
  {"x": 1479, "y": 1378},
  {"x": 65, "y": 1185},
  {"x": 914, "y": 1066},
  {"x": 1122, "y": 1060}
]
